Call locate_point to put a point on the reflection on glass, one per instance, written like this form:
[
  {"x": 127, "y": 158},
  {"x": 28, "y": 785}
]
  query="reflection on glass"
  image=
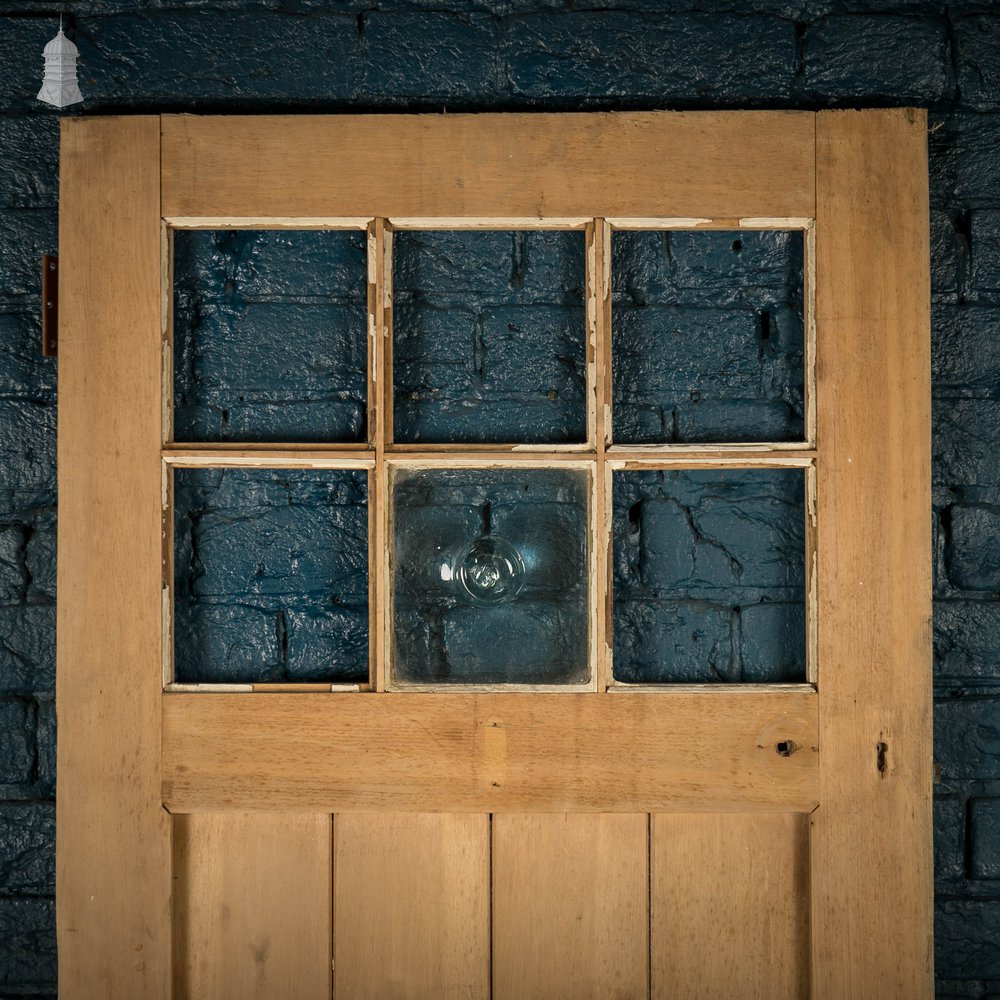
[{"x": 489, "y": 576}]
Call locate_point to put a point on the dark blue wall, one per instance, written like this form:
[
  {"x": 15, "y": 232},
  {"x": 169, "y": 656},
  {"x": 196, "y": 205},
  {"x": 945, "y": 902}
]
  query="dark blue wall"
[{"x": 287, "y": 55}]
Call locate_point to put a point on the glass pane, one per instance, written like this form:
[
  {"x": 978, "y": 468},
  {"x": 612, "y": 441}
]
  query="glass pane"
[
  {"x": 490, "y": 576},
  {"x": 269, "y": 335},
  {"x": 707, "y": 337},
  {"x": 489, "y": 337},
  {"x": 270, "y": 575},
  {"x": 709, "y": 576}
]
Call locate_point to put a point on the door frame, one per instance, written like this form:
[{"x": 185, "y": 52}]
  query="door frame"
[{"x": 132, "y": 752}]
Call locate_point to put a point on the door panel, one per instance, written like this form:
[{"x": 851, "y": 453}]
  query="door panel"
[
  {"x": 730, "y": 906},
  {"x": 411, "y": 906},
  {"x": 242, "y": 885},
  {"x": 570, "y": 906}
]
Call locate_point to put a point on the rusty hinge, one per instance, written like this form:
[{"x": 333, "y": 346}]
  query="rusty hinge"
[{"x": 50, "y": 306}]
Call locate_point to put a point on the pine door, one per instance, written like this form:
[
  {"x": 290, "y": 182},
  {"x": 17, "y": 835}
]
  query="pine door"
[{"x": 564, "y": 828}]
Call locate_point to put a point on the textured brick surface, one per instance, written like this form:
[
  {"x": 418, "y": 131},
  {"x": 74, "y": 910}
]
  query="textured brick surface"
[
  {"x": 707, "y": 336},
  {"x": 709, "y": 576},
  {"x": 978, "y": 40},
  {"x": 906, "y": 59},
  {"x": 27, "y": 945},
  {"x": 281, "y": 55},
  {"x": 966, "y": 943},
  {"x": 685, "y": 57},
  {"x": 269, "y": 336},
  {"x": 28, "y": 848},
  {"x": 984, "y": 821},
  {"x": 986, "y": 253},
  {"x": 271, "y": 573},
  {"x": 488, "y": 337}
]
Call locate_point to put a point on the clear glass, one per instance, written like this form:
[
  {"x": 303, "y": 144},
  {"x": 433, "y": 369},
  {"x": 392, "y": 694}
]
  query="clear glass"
[{"x": 490, "y": 576}]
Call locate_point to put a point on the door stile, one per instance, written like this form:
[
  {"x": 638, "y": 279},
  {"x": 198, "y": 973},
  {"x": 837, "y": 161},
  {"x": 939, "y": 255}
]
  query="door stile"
[
  {"x": 113, "y": 872},
  {"x": 871, "y": 845}
]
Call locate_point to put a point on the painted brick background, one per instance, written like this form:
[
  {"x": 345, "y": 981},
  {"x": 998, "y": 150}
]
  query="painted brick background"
[{"x": 359, "y": 55}]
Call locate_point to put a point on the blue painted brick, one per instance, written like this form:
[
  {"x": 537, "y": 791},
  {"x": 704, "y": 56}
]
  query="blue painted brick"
[
  {"x": 45, "y": 743},
  {"x": 684, "y": 58},
  {"x": 23, "y": 372},
  {"x": 226, "y": 644},
  {"x": 966, "y": 441},
  {"x": 707, "y": 337},
  {"x": 234, "y": 57},
  {"x": 984, "y": 823},
  {"x": 27, "y": 945},
  {"x": 967, "y": 737},
  {"x": 965, "y": 349},
  {"x": 260, "y": 265},
  {"x": 963, "y": 169},
  {"x": 264, "y": 349},
  {"x": 967, "y": 640},
  {"x": 905, "y": 59},
  {"x": 18, "y": 720},
  {"x": 13, "y": 573},
  {"x": 40, "y": 557},
  {"x": 978, "y": 43},
  {"x": 27, "y": 649},
  {"x": 771, "y": 642},
  {"x": 27, "y": 234},
  {"x": 489, "y": 337},
  {"x": 29, "y": 176},
  {"x": 28, "y": 849},
  {"x": 949, "y": 838},
  {"x": 430, "y": 54},
  {"x": 683, "y": 641},
  {"x": 271, "y": 575},
  {"x": 965, "y": 939},
  {"x": 325, "y": 643},
  {"x": 949, "y": 255},
  {"x": 709, "y": 576},
  {"x": 986, "y": 254},
  {"x": 974, "y": 552}
]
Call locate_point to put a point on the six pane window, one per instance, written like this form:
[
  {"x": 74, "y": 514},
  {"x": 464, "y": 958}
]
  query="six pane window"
[{"x": 492, "y": 568}]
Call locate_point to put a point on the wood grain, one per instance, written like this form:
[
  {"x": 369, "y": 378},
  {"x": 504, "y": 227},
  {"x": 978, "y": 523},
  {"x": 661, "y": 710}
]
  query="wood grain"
[
  {"x": 570, "y": 906},
  {"x": 411, "y": 907},
  {"x": 112, "y": 836},
  {"x": 252, "y": 906},
  {"x": 691, "y": 750},
  {"x": 730, "y": 907},
  {"x": 513, "y": 166},
  {"x": 872, "y": 869}
]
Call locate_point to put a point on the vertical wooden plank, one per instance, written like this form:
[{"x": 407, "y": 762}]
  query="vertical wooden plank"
[
  {"x": 599, "y": 435},
  {"x": 871, "y": 845},
  {"x": 380, "y": 422},
  {"x": 252, "y": 900},
  {"x": 730, "y": 906},
  {"x": 411, "y": 906},
  {"x": 570, "y": 906},
  {"x": 113, "y": 836}
]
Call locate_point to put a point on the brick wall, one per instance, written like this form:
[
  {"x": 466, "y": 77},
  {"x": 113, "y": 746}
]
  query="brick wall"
[{"x": 289, "y": 55}]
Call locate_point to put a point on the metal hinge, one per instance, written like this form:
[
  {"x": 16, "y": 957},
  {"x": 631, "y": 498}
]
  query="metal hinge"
[{"x": 50, "y": 306}]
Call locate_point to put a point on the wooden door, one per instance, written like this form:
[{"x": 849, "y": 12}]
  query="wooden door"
[{"x": 601, "y": 840}]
